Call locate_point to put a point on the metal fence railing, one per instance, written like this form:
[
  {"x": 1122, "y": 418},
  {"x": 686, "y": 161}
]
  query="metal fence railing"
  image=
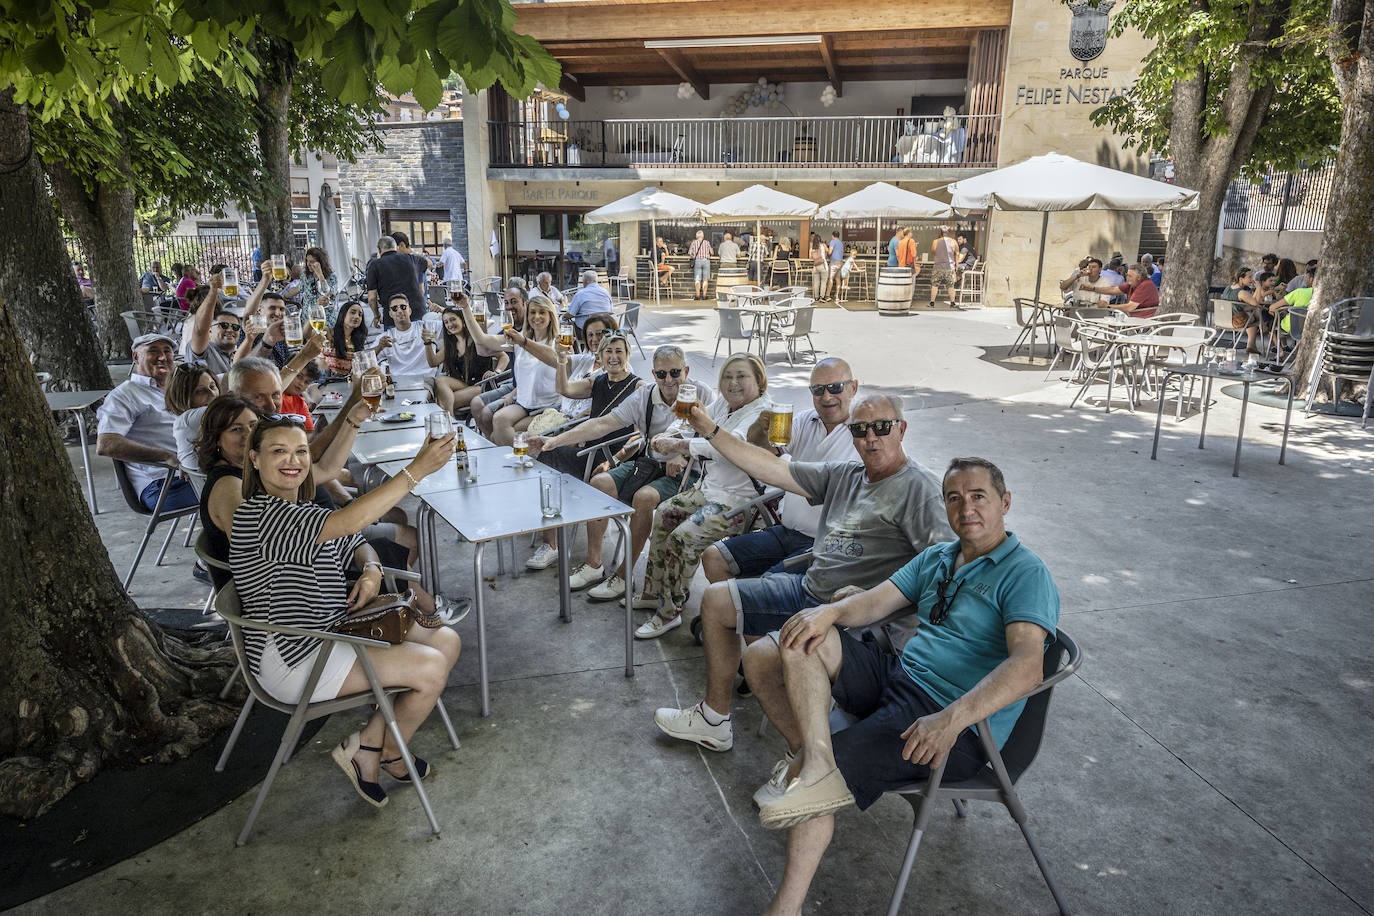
[
  {"x": 202, "y": 250},
  {"x": 747, "y": 142},
  {"x": 1281, "y": 201}
]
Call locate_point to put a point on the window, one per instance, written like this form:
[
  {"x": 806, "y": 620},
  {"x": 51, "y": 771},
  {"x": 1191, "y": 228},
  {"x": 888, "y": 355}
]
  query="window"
[
  {"x": 548, "y": 226},
  {"x": 300, "y": 191},
  {"x": 426, "y": 229}
]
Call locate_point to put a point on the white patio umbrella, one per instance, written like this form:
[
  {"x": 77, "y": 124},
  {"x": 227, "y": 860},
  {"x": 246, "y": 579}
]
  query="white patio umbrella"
[
  {"x": 357, "y": 221},
  {"x": 652, "y": 204},
  {"x": 1058, "y": 182},
  {"x": 331, "y": 232},
  {"x": 881, "y": 200},
  {"x": 758, "y": 202}
]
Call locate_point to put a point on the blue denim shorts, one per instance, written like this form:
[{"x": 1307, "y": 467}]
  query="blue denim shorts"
[
  {"x": 764, "y": 604},
  {"x": 758, "y": 552},
  {"x": 701, "y": 269}
]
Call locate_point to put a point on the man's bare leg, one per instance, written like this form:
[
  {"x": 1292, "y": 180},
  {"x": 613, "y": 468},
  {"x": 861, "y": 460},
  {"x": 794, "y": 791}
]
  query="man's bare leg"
[
  {"x": 807, "y": 678},
  {"x": 713, "y": 565},
  {"x": 718, "y": 618},
  {"x": 806, "y": 844},
  {"x": 763, "y": 671}
]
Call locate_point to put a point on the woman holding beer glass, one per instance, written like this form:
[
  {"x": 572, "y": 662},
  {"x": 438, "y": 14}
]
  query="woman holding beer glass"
[
  {"x": 686, "y": 524},
  {"x": 577, "y": 370},
  {"x": 462, "y": 368},
  {"x": 535, "y": 388},
  {"x": 293, "y": 562}
]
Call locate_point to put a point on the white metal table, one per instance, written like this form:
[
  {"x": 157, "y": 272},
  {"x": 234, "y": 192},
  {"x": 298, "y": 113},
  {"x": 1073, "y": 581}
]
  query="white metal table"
[{"x": 77, "y": 402}]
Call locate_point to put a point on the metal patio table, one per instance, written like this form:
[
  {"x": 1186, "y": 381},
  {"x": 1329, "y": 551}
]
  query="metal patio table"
[
  {"x": 1208, "y": 374},
  {"x": 78, "y": 401}
]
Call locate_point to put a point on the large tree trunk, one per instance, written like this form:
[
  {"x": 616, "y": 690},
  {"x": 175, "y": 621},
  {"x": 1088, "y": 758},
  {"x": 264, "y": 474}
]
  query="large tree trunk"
[
  {"x": 1208, "y": 163},
  {"x": 274, "y": 96},
  {"x": 104, "y": 222},
  {"x": 88, "y": 678},
  {"x": 1347, "y": 268},
  {"x": 35, "y": 272}
]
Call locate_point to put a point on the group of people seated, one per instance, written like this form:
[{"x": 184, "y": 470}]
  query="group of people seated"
[
  {"x": 1264, "y": 297},
  {"x": 895, "y": 591},
  {"x": 1133, "y": 289}
]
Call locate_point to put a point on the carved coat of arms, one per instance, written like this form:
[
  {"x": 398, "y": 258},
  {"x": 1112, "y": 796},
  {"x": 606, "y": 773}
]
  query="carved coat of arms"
[{"x": 1088, "y": 30}]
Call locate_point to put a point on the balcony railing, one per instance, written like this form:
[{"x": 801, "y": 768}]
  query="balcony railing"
[{"x": 748, "y": 143}]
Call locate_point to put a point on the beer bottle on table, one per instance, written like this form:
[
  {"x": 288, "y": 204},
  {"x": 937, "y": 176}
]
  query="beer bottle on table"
[
  {"x": 390, "y": 384},
  {"x": 460, "y": 451}
]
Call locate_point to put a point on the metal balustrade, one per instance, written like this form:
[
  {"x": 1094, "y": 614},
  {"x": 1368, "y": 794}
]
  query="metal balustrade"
[{"x": 802, "y": 142}]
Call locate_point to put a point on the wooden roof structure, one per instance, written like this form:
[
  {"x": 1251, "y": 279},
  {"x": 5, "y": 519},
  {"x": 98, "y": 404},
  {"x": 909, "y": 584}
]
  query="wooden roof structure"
[{"x": 705, "y": 42}]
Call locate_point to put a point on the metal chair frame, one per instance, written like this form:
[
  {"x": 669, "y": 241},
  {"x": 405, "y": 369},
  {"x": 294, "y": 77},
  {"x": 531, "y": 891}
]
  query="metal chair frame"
[
  {"x": 730, "y": 328},
  {"x": 155, "y": 517}
]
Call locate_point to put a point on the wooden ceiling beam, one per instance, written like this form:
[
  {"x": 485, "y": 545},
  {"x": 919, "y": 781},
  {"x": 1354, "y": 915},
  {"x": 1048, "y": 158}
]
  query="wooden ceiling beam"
[
  {"x": 641, "y": 19},
  {"x": 572, "y": 87},
  {"x": 683, "y": 68},
  {"x": 832, "y": 70}
]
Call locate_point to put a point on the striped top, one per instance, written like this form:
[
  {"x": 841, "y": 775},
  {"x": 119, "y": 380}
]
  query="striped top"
[{"x": 283, "y": 576}]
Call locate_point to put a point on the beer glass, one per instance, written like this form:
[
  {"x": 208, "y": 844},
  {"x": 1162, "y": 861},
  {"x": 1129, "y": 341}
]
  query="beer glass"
[
  {"x": 454, "y": 286},
  {"x": 231, "y": 281},
  {"x": 315, "y": 314},
  {"x": 507, "y": 320},
  {"x": 522, "y": 448},
  {"x": 550, "y": 495},
  {"x": 780, "y": 426},
  {"x": 427, "y": 333},
  {"x": 438, "y": 425},
  {"x": 686, "y": 399},
  {"x": 278, "y": 267},
  {"x": 372, "y": 386},
  {"x": 364, "y": 360},
  {"x": 566, "y": 333},
  {"x": 258, "y": 322},
  {"x": 479, "y": 311},
  {"x": 291, "y": 327}
]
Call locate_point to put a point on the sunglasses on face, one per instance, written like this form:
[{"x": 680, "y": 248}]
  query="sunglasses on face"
[
  {"x": 227, "y": 326},
  {"x": 398, "y": 308},
  {"x": 661, "y": 374},
  {"x": 879, "y": 427},
  {"x": 833, "y": 388}
]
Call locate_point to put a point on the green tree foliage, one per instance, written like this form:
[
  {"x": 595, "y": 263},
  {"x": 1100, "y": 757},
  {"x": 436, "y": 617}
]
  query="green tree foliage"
[{"x": 1278, "y": 45}]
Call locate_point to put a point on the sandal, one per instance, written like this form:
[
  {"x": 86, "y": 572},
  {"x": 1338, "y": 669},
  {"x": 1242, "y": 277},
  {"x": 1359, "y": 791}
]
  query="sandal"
[
  {"x": 421, "y": 766},
  {"x": 371, "y": 792}
]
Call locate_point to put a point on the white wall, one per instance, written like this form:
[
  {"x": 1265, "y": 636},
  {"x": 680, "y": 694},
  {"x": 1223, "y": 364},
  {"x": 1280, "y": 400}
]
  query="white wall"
[{"x": 867, "y": 98}]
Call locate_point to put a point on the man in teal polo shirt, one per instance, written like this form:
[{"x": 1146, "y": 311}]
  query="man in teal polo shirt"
[{"x": 986, "y": 607}]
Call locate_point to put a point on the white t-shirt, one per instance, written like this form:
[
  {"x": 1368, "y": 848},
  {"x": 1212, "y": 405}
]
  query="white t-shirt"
[
  {"x": 726, "y": 484},
  {"x": 406, "y": 355},
  {"x": 810, "y": 442},
  {"x": 453, "y": 264},
  {"x": 185, "y": 428},
  {"x": 535, "y": 382},
  {"x": 579, "y": 367}
]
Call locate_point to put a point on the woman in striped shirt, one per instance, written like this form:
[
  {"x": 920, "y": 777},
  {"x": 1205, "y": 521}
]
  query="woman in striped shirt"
[{"x": 289, "y": 559}]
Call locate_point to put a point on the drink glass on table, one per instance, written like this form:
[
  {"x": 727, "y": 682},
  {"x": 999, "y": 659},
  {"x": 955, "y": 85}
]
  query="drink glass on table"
[
  {"x": 231, "y": 281},
  {"x": 550, "y": 495},
  {"x": 686, "y": 400},
  {"x": 291, "y": 328},
  {"x": 479, "y": 311},
  {"x": 780, "y": 426},
  {"x": 372, "y": 386},
  {"x": 521, "y": 448}
]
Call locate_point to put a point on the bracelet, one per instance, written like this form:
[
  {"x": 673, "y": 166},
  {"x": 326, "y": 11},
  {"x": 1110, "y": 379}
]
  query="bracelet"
[
  {"x": 375, "y": 565},
  {"x": 712, "y": 434},
  {"x": 411, "y": 477},
  {"x": 349, "y": 421}
]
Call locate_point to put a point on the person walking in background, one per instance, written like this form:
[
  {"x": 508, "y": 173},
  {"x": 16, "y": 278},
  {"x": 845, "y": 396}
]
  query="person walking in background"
[{"x": 451, "y": 261}]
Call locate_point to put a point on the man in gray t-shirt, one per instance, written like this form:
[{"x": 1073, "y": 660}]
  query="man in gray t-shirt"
[{"x": 877, "y": 515}]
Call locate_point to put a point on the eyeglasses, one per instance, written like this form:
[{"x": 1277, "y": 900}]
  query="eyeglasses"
[
  {"x": 228, "y": 326},
  {"x": 399, "y": 308},
  {"x": 879, "y": 427},
  {"x": 833, "y": 388},
  {"x": 661, "y": 374},
  {"x": 294, "y": 419},
  {"x": 940, "y": 610}
]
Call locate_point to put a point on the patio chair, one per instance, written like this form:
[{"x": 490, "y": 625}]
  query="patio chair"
[
  {"x": 1346, "y": 351},
  {"x": 1221, "y": 322},
  {"x": 1033, "y": 317},
  {"x": 487, "y": 285},
  {"x": 464, "y": 414},
  {"x": 780, "y": 269},
  {"x": 629, "y": 323},
  {"x": 730, "y": 328},
  {"x": 156, "y": 516},
  {"x": 228, "y": 605},
  {"x": 970, "y": 290},
  {"x": 622, "y": 286},
  {"x": 799, "y": 328},
  {"x": 1103, "y": 350},
  {"x": 858, "y": 276},
  {"x": 140, "y": 323},
  {"x": 997, "y": 781},
  {"x": 1067, "y": 340}
]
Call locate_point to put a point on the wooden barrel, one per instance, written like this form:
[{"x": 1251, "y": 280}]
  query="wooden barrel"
[
  {"x": 729, "y": 277},
  {"x": 894, "y": 290}
]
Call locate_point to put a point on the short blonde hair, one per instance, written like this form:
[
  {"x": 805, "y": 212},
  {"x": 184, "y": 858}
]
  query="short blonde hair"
[{"x": 755, "y": 365}]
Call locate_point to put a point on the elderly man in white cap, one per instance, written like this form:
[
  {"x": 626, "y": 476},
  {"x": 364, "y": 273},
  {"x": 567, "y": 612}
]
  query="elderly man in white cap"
[
  {"x": 136, "y": 428},
  {"x": 590, "y": 300}
]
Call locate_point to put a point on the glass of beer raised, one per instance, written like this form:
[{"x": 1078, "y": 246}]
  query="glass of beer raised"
[
  {"x": 438, "y": 425},
  {"x": 372, "y": 386},
  {"x": 479, "y": 311},
  {"x": 686, "y": 400},
  {"x": 780, "y": 426},
  {"x": 566, "y": 333},
  {"x": 316, "y": 316},
  {"x": 231, "y": 281},
  {"x": 278, "y": 267},
  {"x": 291, "y": 327}
]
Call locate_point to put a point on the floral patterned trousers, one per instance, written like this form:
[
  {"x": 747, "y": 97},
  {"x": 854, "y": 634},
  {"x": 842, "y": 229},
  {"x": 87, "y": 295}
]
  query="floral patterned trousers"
[{"x": 684, "y": 526}]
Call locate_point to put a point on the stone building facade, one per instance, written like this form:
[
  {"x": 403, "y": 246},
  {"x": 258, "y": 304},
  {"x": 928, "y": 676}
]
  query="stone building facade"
[{"x": 417, "y": 179}]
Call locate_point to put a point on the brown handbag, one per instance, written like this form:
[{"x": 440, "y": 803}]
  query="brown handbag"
[{"x": 386, "y": 617}]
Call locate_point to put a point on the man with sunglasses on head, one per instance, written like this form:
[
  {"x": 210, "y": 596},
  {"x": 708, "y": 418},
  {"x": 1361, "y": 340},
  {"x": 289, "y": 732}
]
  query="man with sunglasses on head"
[
  {"x": 642, "y": 480},
  {"x": 875, "y": 515},
  {"x": 986, "y": 608}
]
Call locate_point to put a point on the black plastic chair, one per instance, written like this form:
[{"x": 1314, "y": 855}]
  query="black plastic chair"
[
  {"x": 997, "y": 781},
  {"x": 155, "y": 517}
]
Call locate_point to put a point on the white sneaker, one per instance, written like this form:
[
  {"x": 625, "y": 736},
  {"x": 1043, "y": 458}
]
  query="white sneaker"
[
  {"x": 640, "y": 603},
  {"x": 656, "y": 626},
  {"x": 611, "y": 589},
  {"x": 772, "y": 790},
  {"x": 585, "y": 575},
  {"x": 690, "y": 725},
  {"x": 543, "y": 558}
]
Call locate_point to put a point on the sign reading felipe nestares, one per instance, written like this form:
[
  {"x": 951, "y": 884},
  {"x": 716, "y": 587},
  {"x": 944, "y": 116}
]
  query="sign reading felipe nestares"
[{"x": 1080, "y": 85}]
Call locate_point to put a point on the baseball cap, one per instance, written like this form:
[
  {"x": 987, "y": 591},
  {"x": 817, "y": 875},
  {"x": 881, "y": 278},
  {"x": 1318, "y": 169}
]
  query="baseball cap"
[{"x": 143, "y": 339}]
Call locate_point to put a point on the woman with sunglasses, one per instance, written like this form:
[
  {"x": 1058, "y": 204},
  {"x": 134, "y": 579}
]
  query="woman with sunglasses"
[
  {"x": 291, "y": 562},
  {"x": 688, "y": 523},
  {"x": 462, "y": 369}
]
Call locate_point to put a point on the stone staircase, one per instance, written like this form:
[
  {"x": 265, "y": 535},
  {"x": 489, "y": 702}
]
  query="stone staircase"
[{"x": 1154, "y": 234}]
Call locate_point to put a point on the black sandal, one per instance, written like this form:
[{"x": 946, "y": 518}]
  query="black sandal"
[
  {"x": 371, "y": 792},
  {"x": 421, "y": 766}
]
